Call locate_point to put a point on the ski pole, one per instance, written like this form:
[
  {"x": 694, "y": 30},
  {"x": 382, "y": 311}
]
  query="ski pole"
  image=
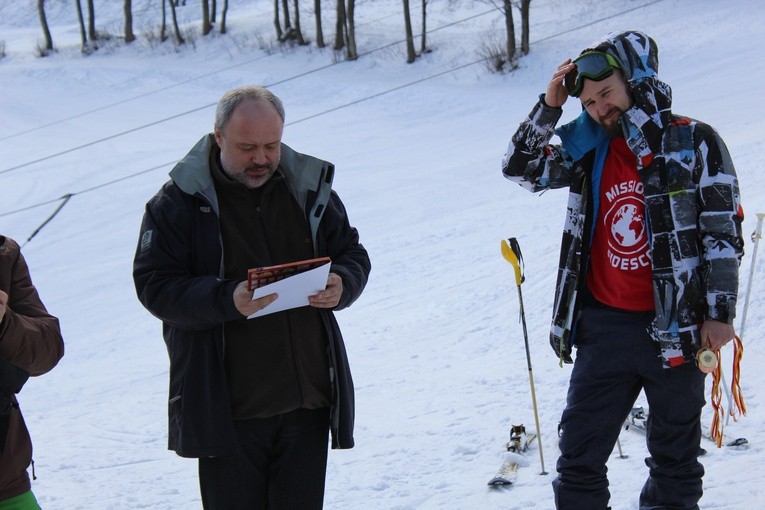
[
  {"x": 619, "y": 445},
  {"x": 511, "y": 251},
  {"x": 756, "y": 236}
]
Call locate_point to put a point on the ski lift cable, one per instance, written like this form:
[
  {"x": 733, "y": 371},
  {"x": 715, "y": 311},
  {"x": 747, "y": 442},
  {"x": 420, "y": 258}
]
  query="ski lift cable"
[
  {"x": 324, "y": 112},
  {"x": 207, "y": 75},
  {"x": 290, "y": 78}
]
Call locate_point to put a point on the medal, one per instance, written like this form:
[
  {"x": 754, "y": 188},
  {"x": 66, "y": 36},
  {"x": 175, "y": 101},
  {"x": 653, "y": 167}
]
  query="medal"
[{"x": 706, "y": 359}]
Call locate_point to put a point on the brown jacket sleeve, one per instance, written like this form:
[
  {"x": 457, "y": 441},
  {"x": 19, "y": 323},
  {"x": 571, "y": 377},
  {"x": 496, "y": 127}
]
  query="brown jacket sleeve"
[{"x": 30, "y": 337}]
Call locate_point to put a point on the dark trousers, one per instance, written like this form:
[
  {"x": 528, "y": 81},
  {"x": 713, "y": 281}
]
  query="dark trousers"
[
  {"x": 281, "y": 466},
  {"x": 616, "y": 359}
]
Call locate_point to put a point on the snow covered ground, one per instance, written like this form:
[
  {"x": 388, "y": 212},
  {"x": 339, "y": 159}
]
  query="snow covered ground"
[{"x": 435, "y": 342}]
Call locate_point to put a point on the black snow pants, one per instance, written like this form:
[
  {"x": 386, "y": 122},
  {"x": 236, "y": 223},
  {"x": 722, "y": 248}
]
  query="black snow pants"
[{"x": 615, "y": 360}]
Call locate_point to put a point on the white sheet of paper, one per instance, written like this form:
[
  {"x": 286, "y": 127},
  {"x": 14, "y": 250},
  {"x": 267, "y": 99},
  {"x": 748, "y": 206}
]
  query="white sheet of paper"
[{"x": 293, "y": 291}]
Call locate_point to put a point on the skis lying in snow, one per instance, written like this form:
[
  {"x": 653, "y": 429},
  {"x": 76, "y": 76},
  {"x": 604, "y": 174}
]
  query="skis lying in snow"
[
  {"x": 637, "y": 421},
  {"x": 513, "y": 458}
]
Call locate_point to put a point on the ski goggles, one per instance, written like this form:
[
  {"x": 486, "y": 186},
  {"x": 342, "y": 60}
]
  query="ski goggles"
[{"x": 594, "y": 65}]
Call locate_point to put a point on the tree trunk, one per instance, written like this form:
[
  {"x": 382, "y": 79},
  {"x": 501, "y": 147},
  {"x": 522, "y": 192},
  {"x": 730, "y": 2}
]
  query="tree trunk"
[
  {"x": 319, "y": 31},
  {"x": 351, "y": 31},
  {"x": 411, "y": 56},
  {"x": 129, "y": 35},
  {"x": 510, "y": 26},
  {"x": 81, "y": 21},
  {"x": 525, "y": 26},
  {"x": 163, "y": 27},
  {"x": 223, "y": 12},
  {"x": 213, "y": 8},
  {"x": 286, "y": 12},
  {"x": 176, "y": 30},
  {"x": 340, "y": 26},
  {"x": 45, "y": 29},
  {"x": 44, "y": 23},
  {"x": 92, "y": 34},
  {"x": 206, "y": 27},
  {"x": 298, "y": 33},
  {"x": 423, "y": 40},
  {"x": 277, "y": 23}
]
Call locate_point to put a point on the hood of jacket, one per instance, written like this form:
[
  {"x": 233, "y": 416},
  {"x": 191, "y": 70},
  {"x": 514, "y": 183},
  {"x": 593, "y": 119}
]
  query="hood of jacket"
[
  {"x": 638, "y": 56},
  {"x": 636, "y": 52}
]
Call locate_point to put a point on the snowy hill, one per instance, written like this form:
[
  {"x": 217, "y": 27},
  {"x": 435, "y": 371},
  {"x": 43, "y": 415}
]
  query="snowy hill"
[{"x": 435, "y": 343}]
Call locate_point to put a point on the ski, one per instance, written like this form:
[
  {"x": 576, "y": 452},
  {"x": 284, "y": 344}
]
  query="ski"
[
  {"x": 637, "y": 421},
  {"x": 513, "y": 458}
]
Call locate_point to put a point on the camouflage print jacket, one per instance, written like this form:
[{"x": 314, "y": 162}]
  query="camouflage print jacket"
[{"x": 693, "y": 209}]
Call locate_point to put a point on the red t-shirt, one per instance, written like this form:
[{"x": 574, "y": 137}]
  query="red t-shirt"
[{"x": 620, "y": 257}]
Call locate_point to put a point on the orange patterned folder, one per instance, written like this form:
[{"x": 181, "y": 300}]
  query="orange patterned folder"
[{"x": 259, "y": 276}]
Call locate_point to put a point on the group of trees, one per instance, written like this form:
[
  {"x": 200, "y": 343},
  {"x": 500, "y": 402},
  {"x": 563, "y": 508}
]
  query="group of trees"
[
  {"x": 511, "y": 50},
  {"x": 288, "y": 28},
  {"x": 90, "y": 36},
  {"x": 345, "y": 25}
]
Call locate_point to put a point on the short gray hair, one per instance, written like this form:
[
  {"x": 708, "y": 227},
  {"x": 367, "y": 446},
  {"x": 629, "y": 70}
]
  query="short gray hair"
[{"x": 237, "y": 96}]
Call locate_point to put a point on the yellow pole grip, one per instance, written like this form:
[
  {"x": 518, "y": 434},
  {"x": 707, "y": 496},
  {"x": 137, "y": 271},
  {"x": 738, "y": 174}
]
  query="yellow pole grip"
[{"x": 511, "y": 253}]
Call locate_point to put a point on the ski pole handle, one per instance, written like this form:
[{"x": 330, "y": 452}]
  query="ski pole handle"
[
  {"x": 757, "y": 234},
  {"x": 511, "y": 251}
]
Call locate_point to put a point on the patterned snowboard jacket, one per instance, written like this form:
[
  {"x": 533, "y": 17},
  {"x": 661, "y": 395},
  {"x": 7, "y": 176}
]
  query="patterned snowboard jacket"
[{"x": 693, "y": 208}]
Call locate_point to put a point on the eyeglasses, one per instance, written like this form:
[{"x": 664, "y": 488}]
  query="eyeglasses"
[{"x": 594, "y": 65}]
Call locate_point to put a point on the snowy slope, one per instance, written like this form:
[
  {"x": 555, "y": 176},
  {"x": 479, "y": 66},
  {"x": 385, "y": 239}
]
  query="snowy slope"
[{"x": 435, "y": 342}]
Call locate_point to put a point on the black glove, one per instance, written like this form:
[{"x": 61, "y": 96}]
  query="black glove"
[{"x": 12, "y": 379}]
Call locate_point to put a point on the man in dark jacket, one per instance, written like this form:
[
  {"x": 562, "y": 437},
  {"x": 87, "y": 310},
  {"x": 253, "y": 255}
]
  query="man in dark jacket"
[
  {"x": 253, "y": 399},
  {"x": 30, "y": 344},
  {"x": 648, "y": 269}
]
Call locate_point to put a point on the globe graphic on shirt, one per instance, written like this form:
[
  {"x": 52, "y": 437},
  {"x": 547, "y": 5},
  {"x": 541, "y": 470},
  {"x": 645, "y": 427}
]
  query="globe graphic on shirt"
[{"x": 627, "y": 225}]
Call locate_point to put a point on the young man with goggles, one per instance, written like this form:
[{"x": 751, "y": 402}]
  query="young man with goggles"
[{"x": 648, "y": 268}]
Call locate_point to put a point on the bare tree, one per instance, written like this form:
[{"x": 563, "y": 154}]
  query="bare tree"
[
  {"x": 298, "y": 34},
  {"x": 339, "y": 26},
  {"x": 92, "y": 34},
  {"x": 288, "y": 32},
  {"x": 84, "y": 48},
  {"x": 350, "y": 30},
  {"x": 423, "y": 40},
  {"x": 319, "y": 31},
  {"x": 277, "y": 23},
  {"x": 129, "y": 35},
  {"x": 223, "y": 12},
  {"x": 411, "y": 56},
  {"x": 206, "y": 26},
  {"x": 507, "y": 8},
  {"x": 46, "y": 31},
  {"x": 287, "y": 23},
  {"x": 525, "y": 5},
  {"x": 163, "y": 26},
  {"x": 213, "y": 8},
  {"x": 345, "y": 29},
  {"x": 511, "y": 49},
  {"x": 178, "y": 38}
]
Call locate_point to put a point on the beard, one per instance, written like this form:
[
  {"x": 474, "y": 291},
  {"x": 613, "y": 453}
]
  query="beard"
[
  {"x": 251, "y": 176},
  {"x": 611, "y": 123}
]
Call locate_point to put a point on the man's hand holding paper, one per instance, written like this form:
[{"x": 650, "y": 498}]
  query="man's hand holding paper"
[
  {"x": 245, "y": 303},
  {"x": 329, "y": 297},
  {"x": 312, "y": 287}
]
